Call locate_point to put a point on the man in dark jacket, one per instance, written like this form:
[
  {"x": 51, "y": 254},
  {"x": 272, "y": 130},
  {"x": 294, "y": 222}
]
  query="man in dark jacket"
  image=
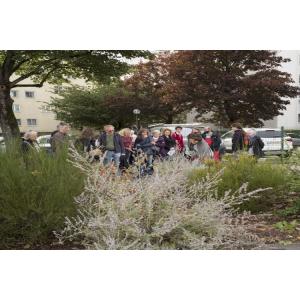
[
  {"x": 237, "y": 138},
  {"x": 256, "y": 145},
  {"x": 113, "y": 145},
  {"x": 59, "y": 137}
]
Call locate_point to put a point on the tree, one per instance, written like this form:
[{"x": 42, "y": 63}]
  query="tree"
[
  {"x": 234, "y": 85},
  {"x": 95, "y": 107},
  {"x": 104, "y": 104},
  {"x": 155, "y": 91},
  {"x": 54, "y": 67}
]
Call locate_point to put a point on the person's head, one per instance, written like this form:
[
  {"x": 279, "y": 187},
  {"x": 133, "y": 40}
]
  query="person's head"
[
  {"x": 207, "y": 129},
  {"x": 236, "y": 126},
  {"x": 251, "y": 132},
  {"x": 195, "y": 138},
  {"x": 87, "y": 133},
  {"x": 143, "y": 133},
  {"x": 156, "y": 133},
  {"x": 178, "y": 129},
  {"x": 63, "y": 127},
  {"x": 125, "y": 132},
  {"x": 109, "y": 129},
  {"x": 132, "y": 132},
  {"x": 167, "y": 132},
  {"x": 31, "y": 135},
  {"x": 195, "y": 130}
]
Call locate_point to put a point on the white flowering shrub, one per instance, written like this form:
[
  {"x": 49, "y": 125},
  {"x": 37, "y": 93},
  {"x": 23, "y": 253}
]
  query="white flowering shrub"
[{"x": 156, "y": 212}]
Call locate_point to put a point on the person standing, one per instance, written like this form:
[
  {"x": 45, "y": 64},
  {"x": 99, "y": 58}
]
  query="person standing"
[
  {"x": 127, "y": 142},
  {"x": 113, "y": 145},
  {"x": 178, "y": 137},
  {"x": 165, "y": 143},
  {"x": 199, "y": 150},
  {"x": 213, "y": 140},
  {"x": 155, "y": 148},
  {"x": 145, "y": 143},
  {"x": 237, "y": 138},
  {"x": 256, "y": 145},
  {"x": 86, "y": 141},
  {"x": 29, "y": 142},
  {"x": 59, "y": 138}
]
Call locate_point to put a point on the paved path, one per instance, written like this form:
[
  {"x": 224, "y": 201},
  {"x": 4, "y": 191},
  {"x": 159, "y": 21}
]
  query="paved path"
[{"x": 294, "y": 246}]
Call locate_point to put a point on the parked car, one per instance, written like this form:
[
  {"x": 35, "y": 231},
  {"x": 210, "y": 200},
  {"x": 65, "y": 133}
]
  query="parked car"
[
  {"x": 186, "y": 128},
  {"x": 270, "y": 136},
  {"x": 44, "y": 142}
]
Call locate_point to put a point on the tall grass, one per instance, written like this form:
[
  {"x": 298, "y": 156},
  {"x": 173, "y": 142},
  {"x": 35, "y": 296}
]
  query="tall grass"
[
  {"x": 36, "y": 194},
  {"x": 257, "y": 175}
]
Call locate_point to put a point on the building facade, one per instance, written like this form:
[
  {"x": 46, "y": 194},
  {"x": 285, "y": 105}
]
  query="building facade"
[
  {"x": 291, "y": 116},
  {"x": 31, "y": 108}
]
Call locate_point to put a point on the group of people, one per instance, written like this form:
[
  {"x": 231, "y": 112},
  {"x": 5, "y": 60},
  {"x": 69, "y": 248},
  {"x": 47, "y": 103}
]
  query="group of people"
[{"x": 120, "y": 148}]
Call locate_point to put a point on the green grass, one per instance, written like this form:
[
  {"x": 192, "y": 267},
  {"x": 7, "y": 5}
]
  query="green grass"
[
  {"x": 36, "y": 194},
  {"x": 257, "y": 174}
]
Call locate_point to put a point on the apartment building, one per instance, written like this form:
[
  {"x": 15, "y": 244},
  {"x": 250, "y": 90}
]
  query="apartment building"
[{"x": 31, "y": 108}]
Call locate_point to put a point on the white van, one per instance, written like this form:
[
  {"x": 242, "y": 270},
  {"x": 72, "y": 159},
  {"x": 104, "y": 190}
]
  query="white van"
[{"x": 270, "y": 136}]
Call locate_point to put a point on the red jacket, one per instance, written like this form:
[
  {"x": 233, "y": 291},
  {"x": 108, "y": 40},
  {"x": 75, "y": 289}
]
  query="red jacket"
[{"x": 179, "y": 140}]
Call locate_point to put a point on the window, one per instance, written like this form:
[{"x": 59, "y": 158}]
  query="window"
[
  {"x": 227, "y": 135},
  {"x": 29, "y": 94},
  {"x": 13, "y": 93},
  {"x": 16, "y": 108},
  {"x": 269, "y": 133},
  {"x": 298, "y": 118},
  {"x": 31, "y": 122},
  {"x": 19, "y": 122}
]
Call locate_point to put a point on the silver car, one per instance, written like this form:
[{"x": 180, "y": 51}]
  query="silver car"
[{"x": 270, "y": 136}]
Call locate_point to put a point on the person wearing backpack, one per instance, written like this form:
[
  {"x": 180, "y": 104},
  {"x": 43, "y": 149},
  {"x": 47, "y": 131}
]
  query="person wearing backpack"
[{"x": 256, "y": 145}]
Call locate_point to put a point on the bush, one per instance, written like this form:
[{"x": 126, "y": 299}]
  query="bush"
[
  {"x": 156, "y": 212},
  {"x": 247, "y": 170},
  {"x": 36, "y": 194}
]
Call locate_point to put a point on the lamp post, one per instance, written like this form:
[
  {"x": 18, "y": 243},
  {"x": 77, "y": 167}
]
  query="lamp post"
[{"x": 137, "y": 112}]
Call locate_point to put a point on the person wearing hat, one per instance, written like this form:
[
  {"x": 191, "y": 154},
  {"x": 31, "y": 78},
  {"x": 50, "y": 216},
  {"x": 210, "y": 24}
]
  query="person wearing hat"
[{"x": 199, "y": 149}]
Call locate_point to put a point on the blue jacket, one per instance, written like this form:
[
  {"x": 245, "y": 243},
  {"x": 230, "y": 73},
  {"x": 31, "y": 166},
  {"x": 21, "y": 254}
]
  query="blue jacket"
[
  {"x": 144, "y": 144},
  {"x": 119, "y": 146}
]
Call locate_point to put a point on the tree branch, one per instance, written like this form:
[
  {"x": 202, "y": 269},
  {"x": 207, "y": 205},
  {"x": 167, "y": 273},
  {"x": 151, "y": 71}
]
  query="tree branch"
[{"x": 37, "y": 84}]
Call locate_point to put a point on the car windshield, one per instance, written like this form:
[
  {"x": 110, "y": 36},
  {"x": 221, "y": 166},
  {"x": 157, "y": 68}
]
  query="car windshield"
[{"x": 269, "y": 134}]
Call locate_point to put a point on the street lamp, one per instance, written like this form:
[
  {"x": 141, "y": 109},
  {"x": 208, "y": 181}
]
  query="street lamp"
[{"x": 137, "y": 112}]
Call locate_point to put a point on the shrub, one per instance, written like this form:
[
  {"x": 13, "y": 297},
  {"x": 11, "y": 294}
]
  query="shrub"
[
  {"x": 36, "y": 194},
  {"x": 247, "y": 170},
  {"x": 156, "y": 212}
]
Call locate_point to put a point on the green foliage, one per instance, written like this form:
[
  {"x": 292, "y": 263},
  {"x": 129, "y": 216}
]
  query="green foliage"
[
  {"x": 36, "y": 194},
  {"x": 106, "y": 104},
  {"x": 247, "y": 170},
  {"x": 286, "y": 226}
]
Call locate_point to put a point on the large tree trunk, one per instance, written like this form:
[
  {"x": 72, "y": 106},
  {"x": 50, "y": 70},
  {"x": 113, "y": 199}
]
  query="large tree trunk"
[
  {"x": 169, "y": 119},
  {"x": 8, "y": 121}
]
